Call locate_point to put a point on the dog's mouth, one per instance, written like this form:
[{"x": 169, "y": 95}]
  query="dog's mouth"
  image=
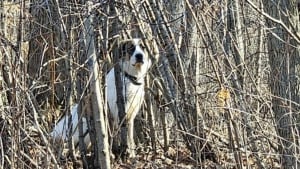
[{"x": 138, "y": 65}]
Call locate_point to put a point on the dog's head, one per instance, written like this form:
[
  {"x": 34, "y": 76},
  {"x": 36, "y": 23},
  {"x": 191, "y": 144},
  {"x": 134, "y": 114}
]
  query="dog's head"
[{"x": 136, "y": 61}]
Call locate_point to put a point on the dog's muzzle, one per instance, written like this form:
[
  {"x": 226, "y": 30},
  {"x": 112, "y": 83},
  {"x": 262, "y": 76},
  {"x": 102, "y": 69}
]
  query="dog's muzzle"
[{"x": 139, "y": 60}]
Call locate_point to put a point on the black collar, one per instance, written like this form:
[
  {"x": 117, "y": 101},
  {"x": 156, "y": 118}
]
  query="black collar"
[{"x": 133, "y": 79}]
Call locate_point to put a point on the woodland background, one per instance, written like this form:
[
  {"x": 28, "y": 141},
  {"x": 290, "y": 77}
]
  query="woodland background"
[{"x": 223, "y": 93}]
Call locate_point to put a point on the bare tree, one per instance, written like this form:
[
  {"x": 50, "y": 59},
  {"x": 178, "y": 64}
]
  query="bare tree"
[
  {"x": 224, "y": 91},
  {"x": 284, "y": 57}
]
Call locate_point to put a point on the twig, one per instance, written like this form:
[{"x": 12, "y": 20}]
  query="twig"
[
  {"x": 2, "y": 153},
  {"x": 36, "y": 123},
  {"x": 284, "y": 26}
]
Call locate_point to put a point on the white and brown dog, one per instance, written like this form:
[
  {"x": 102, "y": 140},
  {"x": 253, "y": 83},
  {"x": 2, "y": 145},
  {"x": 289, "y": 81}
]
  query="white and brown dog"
[{"x": 134, "y": 66}]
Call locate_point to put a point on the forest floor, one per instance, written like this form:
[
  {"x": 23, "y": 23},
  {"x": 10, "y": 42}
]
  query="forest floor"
[{"x": 175, "y": 157}]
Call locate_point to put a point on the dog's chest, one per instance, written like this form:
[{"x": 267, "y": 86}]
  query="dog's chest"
[
  {"x": 132, "y": 91},
  {"x": 133, "y": 94}
]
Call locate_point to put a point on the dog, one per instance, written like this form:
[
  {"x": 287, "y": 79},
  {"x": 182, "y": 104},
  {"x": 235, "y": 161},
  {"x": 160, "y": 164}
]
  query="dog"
[{"x": 134, "y": 63}]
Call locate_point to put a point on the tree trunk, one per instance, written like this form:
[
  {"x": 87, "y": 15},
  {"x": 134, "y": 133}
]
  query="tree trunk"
[
  {"x": 46, "y": 66},
  {"x": 102, "y": 147},
  {"x": 284, "y": 56}
]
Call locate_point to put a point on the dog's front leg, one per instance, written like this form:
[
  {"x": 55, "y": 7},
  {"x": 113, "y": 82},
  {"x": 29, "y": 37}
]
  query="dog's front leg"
[{"x": 130, "y": 139}]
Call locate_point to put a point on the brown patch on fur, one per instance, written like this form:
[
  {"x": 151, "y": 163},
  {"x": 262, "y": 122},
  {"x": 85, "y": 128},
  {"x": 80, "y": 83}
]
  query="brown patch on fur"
[{"x": 138, "y": 65}]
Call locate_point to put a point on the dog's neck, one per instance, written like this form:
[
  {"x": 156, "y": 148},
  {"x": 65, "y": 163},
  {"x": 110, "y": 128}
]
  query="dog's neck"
[
  {"x": 134, "y": 75},
  {"x": 132, "y": 79}
]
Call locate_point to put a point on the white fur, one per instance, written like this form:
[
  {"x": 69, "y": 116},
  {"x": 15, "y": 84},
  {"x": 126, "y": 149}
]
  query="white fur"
[
  {"x": 61, "y": 130},
  {"x": 133, "y": 95}
]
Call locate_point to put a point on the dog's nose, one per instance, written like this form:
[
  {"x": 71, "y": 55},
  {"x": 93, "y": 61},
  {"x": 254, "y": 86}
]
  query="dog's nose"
[{"x": 139, "y": 58}]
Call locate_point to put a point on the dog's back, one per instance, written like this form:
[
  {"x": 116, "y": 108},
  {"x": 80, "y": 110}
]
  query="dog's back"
[{"x": 61, "y": 130}]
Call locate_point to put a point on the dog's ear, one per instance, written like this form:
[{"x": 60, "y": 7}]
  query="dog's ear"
[
  {"x": 122, "y": 50},
  {"x": 127, "y": 49}
]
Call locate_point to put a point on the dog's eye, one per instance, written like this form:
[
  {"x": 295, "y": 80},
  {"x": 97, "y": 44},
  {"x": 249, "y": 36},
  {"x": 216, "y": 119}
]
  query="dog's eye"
[
  {"x": 131, "y": 49},
  {"x": 127, "y": 49}
]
